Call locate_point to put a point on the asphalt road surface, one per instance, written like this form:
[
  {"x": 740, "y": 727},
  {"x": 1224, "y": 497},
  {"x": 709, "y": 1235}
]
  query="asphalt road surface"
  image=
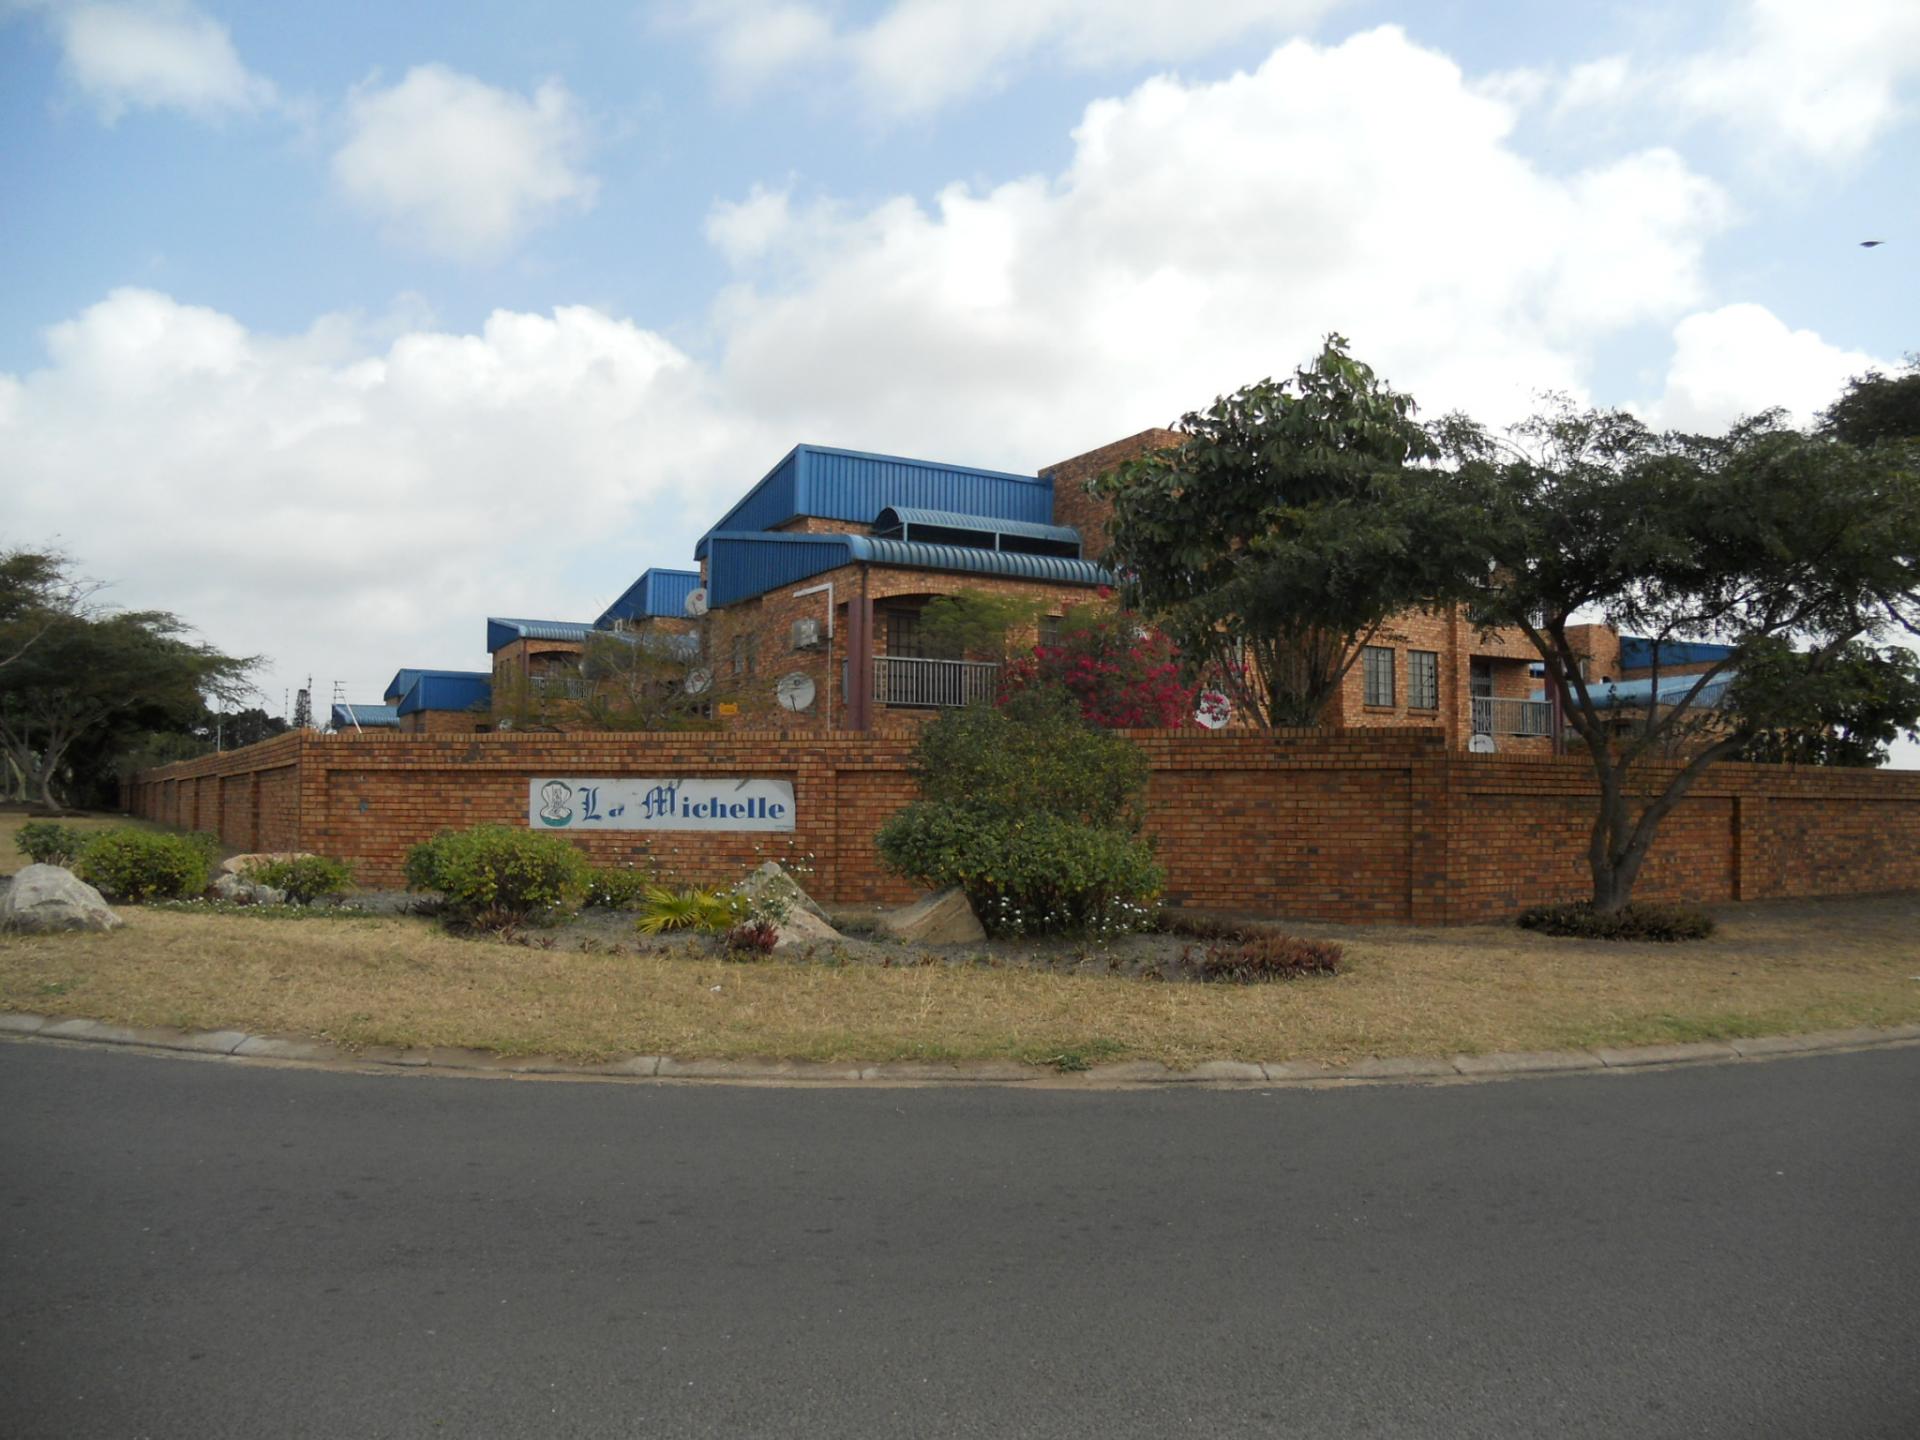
[{"x": 202, "y": 1248}]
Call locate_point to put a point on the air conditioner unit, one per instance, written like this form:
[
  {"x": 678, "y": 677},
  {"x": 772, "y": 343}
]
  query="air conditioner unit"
[{"x": 806, "y": 634}]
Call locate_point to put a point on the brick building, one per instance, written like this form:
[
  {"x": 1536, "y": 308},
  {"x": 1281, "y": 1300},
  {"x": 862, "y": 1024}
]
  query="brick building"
[
  {"x": 805, "y": 612},
  {"x": 423, "y": 702}
]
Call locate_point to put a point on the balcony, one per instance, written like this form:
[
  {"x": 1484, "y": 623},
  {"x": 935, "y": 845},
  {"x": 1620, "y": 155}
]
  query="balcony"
[
  {"x": 930, "y": 684},
  {"x": 1494, "y": 716}
]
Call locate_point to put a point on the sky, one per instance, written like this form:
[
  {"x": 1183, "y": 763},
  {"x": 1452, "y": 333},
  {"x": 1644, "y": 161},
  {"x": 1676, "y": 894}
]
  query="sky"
[{"x": 336, "y": 328}]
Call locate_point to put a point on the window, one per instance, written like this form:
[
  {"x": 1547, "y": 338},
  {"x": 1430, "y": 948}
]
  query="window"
[
  {"x": 1050, "y": 629},
  {"x": 1423, "y": 679},
  {"x": 743, "y": 648},
  {"x": 1376, "y": 671}
]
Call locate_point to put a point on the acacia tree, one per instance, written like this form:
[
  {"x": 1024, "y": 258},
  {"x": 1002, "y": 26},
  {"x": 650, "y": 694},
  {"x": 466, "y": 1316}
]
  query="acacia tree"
[
  {"x": 88, "y": 681},
  {"x": 1801, "y": 552},
  {"x": 1293, "y": 519}
]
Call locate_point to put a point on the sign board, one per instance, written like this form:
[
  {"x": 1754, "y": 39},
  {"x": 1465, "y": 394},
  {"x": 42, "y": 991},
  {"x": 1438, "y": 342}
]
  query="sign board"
[
  {"x": 726, "y": 707},
  {"x": 574, "y": 803}
]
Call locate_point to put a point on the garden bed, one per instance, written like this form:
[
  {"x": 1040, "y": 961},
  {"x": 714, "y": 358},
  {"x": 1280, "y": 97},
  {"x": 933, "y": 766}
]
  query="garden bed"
[{"x": 1769, "y": 968}]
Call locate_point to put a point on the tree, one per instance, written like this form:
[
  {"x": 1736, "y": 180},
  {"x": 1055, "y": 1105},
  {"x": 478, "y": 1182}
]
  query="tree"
[
  {"x": 35, "y": 590},
  {"x": 1877, "y": 408},
  {"x": 978, "y": 623},
  {"x": 1122, "y": 672},
  {"x": 1291, "y": 522},
  {"x": 1800, "y": 551},
  {"x": 87, "y": 682},
  {"x": 640, "y": 681}
]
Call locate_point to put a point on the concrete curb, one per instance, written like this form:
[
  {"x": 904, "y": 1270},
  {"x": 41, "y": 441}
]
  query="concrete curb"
[{"x": 236, "y": 1044}]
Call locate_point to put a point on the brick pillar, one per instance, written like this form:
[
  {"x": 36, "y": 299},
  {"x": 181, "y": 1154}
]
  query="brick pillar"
[{"x": 859, "y": 663}]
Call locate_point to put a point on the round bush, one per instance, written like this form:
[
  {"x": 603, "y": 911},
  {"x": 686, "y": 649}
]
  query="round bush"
[
  {"x": 495, "y": 876},
  {"x": 129, "y": 864},
  {"x": 1038, "y": 875},
  {"x": 47, "y": 842},
  {"x": 304, "y": 878}
]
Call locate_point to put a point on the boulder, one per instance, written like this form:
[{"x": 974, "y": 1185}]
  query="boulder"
[
  {"x": 803, "y": 927},
  {"x": 237, "y": 891},
  {"x": 945, "y": 918},
  {"x": 47, "y": 897},
  {"x": 235, "y": 864},
  {"x": 772, "y": 882}
]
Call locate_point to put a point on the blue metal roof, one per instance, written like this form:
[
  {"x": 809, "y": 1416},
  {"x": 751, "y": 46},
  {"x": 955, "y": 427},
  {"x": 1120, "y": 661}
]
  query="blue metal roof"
[
  {"x": 855, "y": 485},
  {"x": 656, "y": 592},
  {"x": 743, "y": 565},
  {"x": 365, "y": 717},
  {"x": 1636, "y": 652},
  {"x": 908, "y": 518},
  {"x": 448, "y": 690},
  {"x": 504, "y": 630},
  {"x": 1633, "y": 694},
  {"x": 404, "y": 680}
]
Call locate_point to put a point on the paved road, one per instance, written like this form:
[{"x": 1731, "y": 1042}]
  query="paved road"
[{"x": 213, "y": 1249}]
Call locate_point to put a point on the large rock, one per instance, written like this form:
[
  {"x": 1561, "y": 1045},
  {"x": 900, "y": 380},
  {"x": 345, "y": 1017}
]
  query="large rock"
[
  {"x": 772, "y": 882},
  {"x": 945, "y": 918},
  {"x": 238, "y": 891},
  {"x": 47, "y": 897},
  {"x": 237, "y": 864},
  {"x": 803, "y": 927}
]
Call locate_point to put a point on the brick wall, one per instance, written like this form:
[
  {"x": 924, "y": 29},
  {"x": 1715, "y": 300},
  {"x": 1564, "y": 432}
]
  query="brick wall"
[
  {"x": 1379, "y": 825},
  {"x": 1072, "y": 505}
]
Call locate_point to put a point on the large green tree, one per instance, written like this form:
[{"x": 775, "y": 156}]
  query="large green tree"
[
  {"x": 1290, "y": 523},
  {"x": 88, "y": 683},
  {"x": 1800, "y": 551}
]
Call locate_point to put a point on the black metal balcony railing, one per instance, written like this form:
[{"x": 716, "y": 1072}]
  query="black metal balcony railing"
[
  {"x": 925, "y": 684},
  {"x": 1495, "y": 716}
]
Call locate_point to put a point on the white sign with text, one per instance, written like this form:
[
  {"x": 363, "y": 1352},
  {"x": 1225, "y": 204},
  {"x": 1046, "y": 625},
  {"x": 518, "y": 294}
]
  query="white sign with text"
[{"x": 573, "y": 803}]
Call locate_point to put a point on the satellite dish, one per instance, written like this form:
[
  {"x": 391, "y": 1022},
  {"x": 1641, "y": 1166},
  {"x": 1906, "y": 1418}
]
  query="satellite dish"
[
  {"x": 1212, "y": 709},
  {"x": 699, "y": 681},
  {"x": 1482, "y": 745},
  {"x": 795, "y": 691},
  {"x": 697, "y": 601}
]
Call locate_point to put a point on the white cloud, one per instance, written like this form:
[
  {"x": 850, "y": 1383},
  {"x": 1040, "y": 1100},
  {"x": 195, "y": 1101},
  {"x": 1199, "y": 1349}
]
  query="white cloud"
[
  {"x": 360, "y": 495},
  {"x": 1203, "y": 236},
  {"x": 348, "y": 504},
  {"x": 919, "y": 55},
  {"x": 459, "y": 168},
  {"x": 1741, "y": 359},
  {"x": 155, "y": 54},
  {"x": 1826, "y": 81}
]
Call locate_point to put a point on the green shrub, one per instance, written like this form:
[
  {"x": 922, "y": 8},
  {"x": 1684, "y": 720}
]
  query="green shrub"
[
  {"x": 129, "y": 864},
  {"x": 662, "y": 910},
  {"x": 304, "y": 878},
  {"x": 495, "y": 877},
  {"x": 1259, "y": 954},
  {"x": 617, "y": 887},
  {"x": 1666, "y": 923},
  {"x": 47, "y": 842},
  {"x": 1034, "y": 754},
  {"x": 1034, "y": 814},
  {"x": 1040, "y": 875}
]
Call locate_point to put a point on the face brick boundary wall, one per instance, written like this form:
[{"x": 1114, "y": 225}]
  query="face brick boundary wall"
[{"x": 1381, "y": 825}]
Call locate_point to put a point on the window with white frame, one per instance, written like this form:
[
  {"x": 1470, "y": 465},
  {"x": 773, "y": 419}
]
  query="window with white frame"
[
  {"x": 1423, "y": 679},
  {"x": 1376, "y": 674}
]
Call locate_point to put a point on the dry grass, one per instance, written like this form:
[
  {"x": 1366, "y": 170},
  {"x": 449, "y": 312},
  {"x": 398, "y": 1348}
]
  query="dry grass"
[
  {"x": 1771, "y": 968},
  {"x": 13, "y": 817}
]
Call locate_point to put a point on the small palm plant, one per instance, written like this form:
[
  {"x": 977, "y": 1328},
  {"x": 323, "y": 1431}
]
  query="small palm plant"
[{"x": 665, "y": 910}]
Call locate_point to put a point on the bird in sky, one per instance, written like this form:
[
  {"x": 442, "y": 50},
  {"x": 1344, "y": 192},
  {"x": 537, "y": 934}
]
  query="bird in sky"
[{"x": 1869, "y": 244}]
